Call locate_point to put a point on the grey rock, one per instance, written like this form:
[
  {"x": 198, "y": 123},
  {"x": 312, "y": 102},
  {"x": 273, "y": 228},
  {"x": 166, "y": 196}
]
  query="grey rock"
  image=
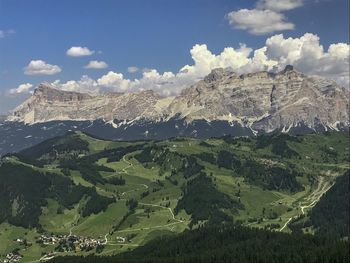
[{"x": 260, "y": 101}]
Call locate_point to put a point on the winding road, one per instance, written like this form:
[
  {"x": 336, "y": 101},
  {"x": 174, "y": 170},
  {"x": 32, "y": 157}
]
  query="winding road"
[
  {"x": 322, "y": 187},
  {"x": 170, "y": 210},
  {"x": 115, "y": 243},
  {"x": 178, "y": 221}
]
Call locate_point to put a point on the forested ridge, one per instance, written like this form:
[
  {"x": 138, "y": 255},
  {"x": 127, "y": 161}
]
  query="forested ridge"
[
  {"x": 229, "y": 243},
  {"x": 330, "y": 216}
]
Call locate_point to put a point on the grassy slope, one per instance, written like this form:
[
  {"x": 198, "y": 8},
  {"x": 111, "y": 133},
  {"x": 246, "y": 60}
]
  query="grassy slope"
[{"x": 311, "y": 162}]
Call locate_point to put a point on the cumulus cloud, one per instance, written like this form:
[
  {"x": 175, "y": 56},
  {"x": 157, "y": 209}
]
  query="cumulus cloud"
[
  {"x": 79, "y": 52},
  {"x": 279, "y": 5},
  {"x": 265, "y": 18},
  {"x": 40, "y": 67},
  {"x": 23, "y": 88},
  {"x": 114, "y": 81},
  {"x": 133, "y": 69},
  {"x": 5, "y": 33},
  {"x": 84, "y": 85},
  {"x": 94, "y": 64},
  {"x": 259, "y": 22},
  {"x": 308, "y": 55},
  {"x": 305, "y": 53}
]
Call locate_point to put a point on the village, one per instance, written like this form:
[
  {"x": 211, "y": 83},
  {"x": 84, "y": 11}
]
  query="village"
[
  {"x": 12, "y": 258},
  {"x": 62, "y": 243},
  {"x": 71, "y": 242}
]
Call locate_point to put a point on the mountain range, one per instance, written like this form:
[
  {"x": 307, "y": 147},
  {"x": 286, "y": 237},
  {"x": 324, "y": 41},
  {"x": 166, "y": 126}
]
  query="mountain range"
[{"x": 222, "y": 103}]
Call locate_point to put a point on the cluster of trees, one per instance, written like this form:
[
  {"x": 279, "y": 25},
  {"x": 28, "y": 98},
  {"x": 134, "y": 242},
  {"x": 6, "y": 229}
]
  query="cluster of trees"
[
  {"x": 331, "y": 215},
  {"x": 328, "y": 154},
  {"x": 229, "y": 139},
  {"x": 26, "y": 159},
  {"x": 96, "y": 203},
  {"x": 88, "y": 169},
  {"x": 28, "y": 195},
  {"x": 204, "y": 202},
  {"x": 229, "y": 243},
  {"x": 270, "y": 177},
  {"x": 132, "y": 205},
  {"x": 116, "y": 180},
  {"x": 67, "y": 143},
  {"x": 35, "y": 187},
  {"x": 31, "y": 193},
  {"x": 228, "y": 160},
  {"x": 279, "y": 144},
  {"x": 90, "y": 173},
  {"x": 169, "y": 161},
  {"x": 112, "y": 155},
  {"x": 206, "y": 157}
]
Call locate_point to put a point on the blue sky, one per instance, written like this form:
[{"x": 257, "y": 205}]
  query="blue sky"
[{"x": 152, "y": 34}]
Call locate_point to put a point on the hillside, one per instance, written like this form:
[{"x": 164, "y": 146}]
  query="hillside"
[
  {"x": 229, "y": 244},
  {"x": 85, "y": 195},
  {"x": 330, "y": 216}
]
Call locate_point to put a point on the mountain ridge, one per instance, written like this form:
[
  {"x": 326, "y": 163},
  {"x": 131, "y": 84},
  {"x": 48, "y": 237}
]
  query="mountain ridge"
[{"x": 261, "y": 101}]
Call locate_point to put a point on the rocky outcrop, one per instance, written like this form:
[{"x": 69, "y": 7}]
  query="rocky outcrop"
[
  {"x": 49, "y": 104},
  {"x": 265, "y": 101},
  {"x": 260, "y": 101}
]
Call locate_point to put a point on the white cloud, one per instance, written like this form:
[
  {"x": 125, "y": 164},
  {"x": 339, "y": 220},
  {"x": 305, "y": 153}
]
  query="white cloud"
[
  {"x": 259, "y": 22},
  {"x": 79, "y": 52},
  {"x": 279, "y": 5},
  {"x": 94, "y": 64},
  {"x": 265, "y": 18},
  {"x": 133, "y": 69},
  {"x": 305, "y": 53},
  {"x": 40, "y": 67},
  {"x": 23, "y": 88},
  {"x": 114, "y": 81},
  {"x": 5, "y": 33},
  {"x": 85, "y": 85},
  {"x": 308, "y": 55}
]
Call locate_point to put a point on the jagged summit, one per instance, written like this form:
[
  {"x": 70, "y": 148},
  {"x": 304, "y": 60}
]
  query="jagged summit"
[
  {"x": 48, "y": 103},
  {"x": 288, "y": 68},
  {"x": 216, "y": 74},
  {"x": 46, "y": 92},
  {"x": 44, "y": 86},
  {"x": 260, "y": 101}
]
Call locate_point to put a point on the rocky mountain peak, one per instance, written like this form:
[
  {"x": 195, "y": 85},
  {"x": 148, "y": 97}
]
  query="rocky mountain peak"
[
  {"x": 44, "y": 87},
  {"x": 288, "y": 68},
  {"x": 47, "y": 93},
  {"x": 215, "y": 75},
  {"x": 261, "y": 101}
]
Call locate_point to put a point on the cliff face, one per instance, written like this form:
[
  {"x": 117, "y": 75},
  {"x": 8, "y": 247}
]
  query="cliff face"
[
  {"x": 261, "y": 101},
  {"x": 48, "y": 104},
  {"x": 265, "y": 101}
]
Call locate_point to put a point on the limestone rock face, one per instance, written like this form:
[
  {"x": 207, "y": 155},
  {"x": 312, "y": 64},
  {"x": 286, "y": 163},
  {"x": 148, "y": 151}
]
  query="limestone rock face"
[
  {"x": 265, "y": 101},
  {"x": 261, "y": 101},
  {"x": 48, "y": 103}
]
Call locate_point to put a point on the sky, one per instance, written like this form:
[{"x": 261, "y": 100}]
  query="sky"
[{"x": 166, "y": 45}]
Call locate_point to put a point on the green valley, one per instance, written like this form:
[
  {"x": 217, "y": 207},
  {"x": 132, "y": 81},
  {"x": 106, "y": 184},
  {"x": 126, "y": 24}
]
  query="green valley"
[{"x": 77, "y": 195}]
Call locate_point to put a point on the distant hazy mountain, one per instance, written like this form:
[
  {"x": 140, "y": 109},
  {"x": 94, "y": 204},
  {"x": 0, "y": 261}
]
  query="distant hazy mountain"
[{"x": 222, "y": 103}]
